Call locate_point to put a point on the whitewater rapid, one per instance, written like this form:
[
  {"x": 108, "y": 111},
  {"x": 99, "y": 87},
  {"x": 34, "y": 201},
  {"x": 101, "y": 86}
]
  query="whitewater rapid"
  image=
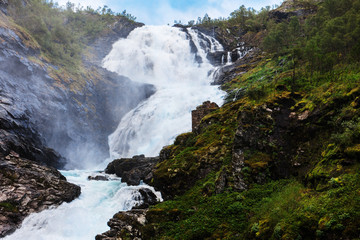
[
  {"x": 175, "y": 62},
  {"x": 86, "y": 216}
]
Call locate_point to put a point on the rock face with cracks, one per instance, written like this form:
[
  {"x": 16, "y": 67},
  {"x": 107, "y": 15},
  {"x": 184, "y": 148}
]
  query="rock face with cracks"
[
  {"x": 68, "y": 112},
  {"x": 26, "y": 187}
]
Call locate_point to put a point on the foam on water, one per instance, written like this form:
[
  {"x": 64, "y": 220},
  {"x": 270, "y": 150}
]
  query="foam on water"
[
  {"x": 162, "y": 56},
  {"x": 84, "y": 217}
]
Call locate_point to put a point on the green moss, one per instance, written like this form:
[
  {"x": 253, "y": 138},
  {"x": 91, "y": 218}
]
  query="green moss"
[
  {"x": 9, "y": 207},
  {"x": 353, "y": 151},
  {"x": 192, "y": 152},
  {"x": 258, "y": 161}
]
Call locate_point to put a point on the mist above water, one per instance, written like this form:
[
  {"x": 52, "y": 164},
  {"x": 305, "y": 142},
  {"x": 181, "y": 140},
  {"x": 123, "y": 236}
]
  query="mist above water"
[{"x": 175, "y": 62}]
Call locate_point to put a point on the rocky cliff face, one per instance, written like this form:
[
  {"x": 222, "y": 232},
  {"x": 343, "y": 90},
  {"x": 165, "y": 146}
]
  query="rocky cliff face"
[
  {"x": 44, "y": 107},
  {"x": 73, "y": 116}
]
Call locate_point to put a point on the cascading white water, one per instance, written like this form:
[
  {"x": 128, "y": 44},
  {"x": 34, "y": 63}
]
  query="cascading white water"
[
  {"x": 162, "y": 56},
  {"x": 229, "y": 60},
  {"x": 84, "y": 217}
]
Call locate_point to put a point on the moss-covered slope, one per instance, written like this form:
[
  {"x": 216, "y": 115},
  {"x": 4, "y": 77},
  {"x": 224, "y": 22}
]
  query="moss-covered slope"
[{"x": 280, "y": 160}]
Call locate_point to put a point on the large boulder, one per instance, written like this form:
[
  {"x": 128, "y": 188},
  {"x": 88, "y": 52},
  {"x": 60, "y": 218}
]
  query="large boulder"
[
  {"x": 26, "y": 187},
  {"x": 133, "y": 170},
  {"x": 126, "y": 225}
]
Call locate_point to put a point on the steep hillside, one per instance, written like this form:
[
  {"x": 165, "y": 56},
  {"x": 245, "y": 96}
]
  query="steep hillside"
[{"x": 280, "y": 159}]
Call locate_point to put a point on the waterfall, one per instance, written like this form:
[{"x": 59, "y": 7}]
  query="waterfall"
[
  {"x": 162, "y": 56},
  {"x": 229, "y": 60}
]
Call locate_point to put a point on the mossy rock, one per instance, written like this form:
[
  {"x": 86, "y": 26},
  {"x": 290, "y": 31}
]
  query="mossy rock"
[
  {"x": 183, "y": 139},
  {"x": 161, "y": 215},
  {"x": 353, "y": 151},
  {"x": 9, "y": 207}
]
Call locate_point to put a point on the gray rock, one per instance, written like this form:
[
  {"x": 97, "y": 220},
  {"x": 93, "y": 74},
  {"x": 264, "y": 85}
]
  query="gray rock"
[
  {"x": 125, "y": 224},
  {"x": 133, "y": 170},
  {"x": 147, "y": 197},
  {"x": 98, "y": 178},
  {"x": 26, "y": 187}
]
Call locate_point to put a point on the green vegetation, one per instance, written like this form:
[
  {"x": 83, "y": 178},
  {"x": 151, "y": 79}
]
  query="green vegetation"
[
  {"x": 283, "y": 209},
  {"x": 292, "y": 110},
  {"x": 309, "y": 69},
  {"x": 63, "y": 34},
  {"x": 247, "y": 19},
  {"x": 191, "y": 152},
  {"x": 8, "y": 206},
  {"x": 321, "y": 41}
]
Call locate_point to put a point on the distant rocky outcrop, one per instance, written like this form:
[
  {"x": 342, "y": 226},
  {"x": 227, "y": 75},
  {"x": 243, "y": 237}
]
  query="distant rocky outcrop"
[
  {"x": 133, "y": 170},
  {"x": 291, "y": 8},
  {"x": 26, "y": 187}
]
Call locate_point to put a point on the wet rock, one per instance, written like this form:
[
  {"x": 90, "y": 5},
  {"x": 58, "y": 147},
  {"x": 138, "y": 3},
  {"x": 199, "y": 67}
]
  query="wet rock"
[
  {"x": 130, "y": 224},
  {"x": 229, "y": 72},
  {"x": 98, "y": 178},
  {"x": 3, "y": 6},
  {"x": 125, "y": 225},
  {"x": 26, "y": 187},
  {"x": 16, "y": 135},
  {"x": 133, "y": 170},
  {"x": 147, "y": 198}
]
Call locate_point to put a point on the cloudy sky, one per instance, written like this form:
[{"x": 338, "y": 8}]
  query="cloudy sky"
[{"x": 157, "y": 12}]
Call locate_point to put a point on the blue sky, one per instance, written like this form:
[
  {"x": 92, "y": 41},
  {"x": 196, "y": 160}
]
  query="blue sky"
[{"x": 159, "y": 12}]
